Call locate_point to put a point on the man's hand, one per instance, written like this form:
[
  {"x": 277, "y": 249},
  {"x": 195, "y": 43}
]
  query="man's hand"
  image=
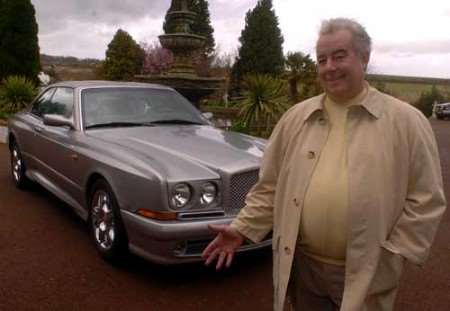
[{"x": 223, "y": 246}]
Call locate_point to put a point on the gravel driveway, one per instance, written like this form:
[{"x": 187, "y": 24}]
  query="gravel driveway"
[{"x": 47, "y": 262}]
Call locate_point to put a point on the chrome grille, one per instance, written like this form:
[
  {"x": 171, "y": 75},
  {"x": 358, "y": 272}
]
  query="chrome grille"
[{"x": 240, "y": 184}]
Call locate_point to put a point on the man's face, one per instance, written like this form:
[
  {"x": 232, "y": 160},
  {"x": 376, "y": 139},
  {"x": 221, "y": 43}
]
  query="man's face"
[{"x": 341, "y": 69}]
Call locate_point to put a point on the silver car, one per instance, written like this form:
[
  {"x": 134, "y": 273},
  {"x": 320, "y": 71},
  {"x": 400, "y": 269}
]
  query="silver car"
[
  {"x": 137, "y": 161},
  {"x": 442, "y": 111}
]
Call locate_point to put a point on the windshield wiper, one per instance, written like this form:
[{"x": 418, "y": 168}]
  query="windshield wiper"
[
  {"x": 176, "y": 121},
  {"x": 118, "y": 124}
]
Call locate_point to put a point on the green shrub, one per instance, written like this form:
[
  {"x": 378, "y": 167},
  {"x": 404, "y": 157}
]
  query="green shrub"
[
  {"x": 264, "y": 102},
  {"x": 3, "y": 115},
  {"x": 240, "y": 127},
  {"x": 16, "y": 93},
  {"x": 427, "y": 100}
]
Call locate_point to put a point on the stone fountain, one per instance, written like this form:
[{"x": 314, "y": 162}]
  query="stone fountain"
[{"x": 183, "y": 44}]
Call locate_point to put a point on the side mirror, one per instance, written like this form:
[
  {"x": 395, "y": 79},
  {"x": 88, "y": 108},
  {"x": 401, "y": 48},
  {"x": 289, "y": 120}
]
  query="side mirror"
[{"x": 57, "y": 120}]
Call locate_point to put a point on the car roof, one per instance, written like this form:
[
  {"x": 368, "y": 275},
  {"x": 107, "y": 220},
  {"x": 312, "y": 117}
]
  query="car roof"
[{"x": 101, "y": 83}]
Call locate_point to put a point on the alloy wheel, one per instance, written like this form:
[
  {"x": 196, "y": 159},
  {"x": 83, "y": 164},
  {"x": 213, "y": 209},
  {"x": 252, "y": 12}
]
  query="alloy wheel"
[
  {"x": 103, "y": 222},
  {"x": 16, "y": 164}
]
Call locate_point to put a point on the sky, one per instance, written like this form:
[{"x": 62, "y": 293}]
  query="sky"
[{"x": 409, "y": 37}]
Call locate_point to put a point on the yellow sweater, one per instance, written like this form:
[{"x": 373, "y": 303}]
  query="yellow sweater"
[{"x": 323, "y": 226}]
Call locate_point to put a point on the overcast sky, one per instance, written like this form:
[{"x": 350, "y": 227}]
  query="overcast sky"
[{"x": 410, "y": 37}]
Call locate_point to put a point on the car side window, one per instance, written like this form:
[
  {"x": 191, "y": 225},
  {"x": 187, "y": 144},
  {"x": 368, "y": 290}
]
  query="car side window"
[
  {"x": 62, "y": 102},
  {"x": 41, "y": 105}
]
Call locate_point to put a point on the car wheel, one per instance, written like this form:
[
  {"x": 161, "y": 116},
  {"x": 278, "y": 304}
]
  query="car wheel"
[
  {"x": 106, "y": 224},
  {"x": 18, "y": 167}
]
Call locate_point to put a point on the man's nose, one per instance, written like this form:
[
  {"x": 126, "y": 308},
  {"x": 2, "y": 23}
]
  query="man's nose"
[{"x": 330, "y": 64}]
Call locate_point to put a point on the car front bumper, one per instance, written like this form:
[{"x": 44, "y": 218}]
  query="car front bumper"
[
  {"x": 443, "y": 114},
  {"x": 174, "y": 242}
]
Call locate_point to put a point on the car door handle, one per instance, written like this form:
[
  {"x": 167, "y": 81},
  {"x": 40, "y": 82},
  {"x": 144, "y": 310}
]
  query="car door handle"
[{"x": 38, "y": 129}]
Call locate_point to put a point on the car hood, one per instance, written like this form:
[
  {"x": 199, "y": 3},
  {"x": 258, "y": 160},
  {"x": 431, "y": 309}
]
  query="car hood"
[{"x": 187, "y": 146}]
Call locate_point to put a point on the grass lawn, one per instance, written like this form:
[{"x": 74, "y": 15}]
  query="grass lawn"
[
  {"x": 409, "y": 89},
  {"x": 411, "y": 92}
]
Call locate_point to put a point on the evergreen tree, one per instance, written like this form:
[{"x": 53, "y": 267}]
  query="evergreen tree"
[
  {"x": 202, "y": 26},
  {"x": 261, "y": 50},
  {"x": 124, "y": 57},
  {"x": 19, "y": 48}
]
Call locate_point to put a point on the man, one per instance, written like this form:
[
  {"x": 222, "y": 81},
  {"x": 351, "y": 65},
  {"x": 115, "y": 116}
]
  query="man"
[{"x": 350, "y": 184}]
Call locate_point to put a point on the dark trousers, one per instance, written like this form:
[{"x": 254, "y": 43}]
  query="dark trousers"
[{"x": 314, "y": 285}]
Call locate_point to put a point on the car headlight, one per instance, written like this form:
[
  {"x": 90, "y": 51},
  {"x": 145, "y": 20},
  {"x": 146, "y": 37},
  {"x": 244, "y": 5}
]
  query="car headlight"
[
  {"x": 181, "y": 195},
  {"x": 208, "y": 193}
]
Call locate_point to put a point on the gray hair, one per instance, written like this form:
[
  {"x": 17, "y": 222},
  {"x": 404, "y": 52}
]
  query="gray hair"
[{"x": 361, "y": 39}]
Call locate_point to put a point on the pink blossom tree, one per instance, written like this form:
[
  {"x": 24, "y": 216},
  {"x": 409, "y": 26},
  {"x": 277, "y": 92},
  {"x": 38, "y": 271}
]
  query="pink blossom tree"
[{"x": 156, "y": 58}]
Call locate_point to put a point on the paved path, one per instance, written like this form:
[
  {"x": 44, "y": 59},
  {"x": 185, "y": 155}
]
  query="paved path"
[{"x": 428, "y": 288}]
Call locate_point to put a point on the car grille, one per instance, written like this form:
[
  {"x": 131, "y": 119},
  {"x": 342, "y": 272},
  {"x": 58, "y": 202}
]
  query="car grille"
[{"x": 240, "y": 184}]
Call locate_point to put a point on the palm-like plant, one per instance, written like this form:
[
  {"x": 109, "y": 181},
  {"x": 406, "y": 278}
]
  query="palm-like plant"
[
  {"x": 16, "y": 93},
  {"x": 264, "y": 102},
  {"x": 301, "y": 68}
]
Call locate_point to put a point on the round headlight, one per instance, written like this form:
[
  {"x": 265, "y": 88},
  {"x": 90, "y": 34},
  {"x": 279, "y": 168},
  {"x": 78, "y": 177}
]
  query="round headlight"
[
  {"x": 181, "y": 195},
  {"x": 208, "y": 193}
]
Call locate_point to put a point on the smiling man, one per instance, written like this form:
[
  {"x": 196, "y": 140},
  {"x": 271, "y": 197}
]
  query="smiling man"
[
  {"x": 350, "y": 185},
  {"x": 342, "y": 61}
]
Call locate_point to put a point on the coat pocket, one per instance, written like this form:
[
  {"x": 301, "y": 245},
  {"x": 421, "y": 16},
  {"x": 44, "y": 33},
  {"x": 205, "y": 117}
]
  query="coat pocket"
[
  {"x": 383, "y": 288},
  {"x": 388, "y": 272}
]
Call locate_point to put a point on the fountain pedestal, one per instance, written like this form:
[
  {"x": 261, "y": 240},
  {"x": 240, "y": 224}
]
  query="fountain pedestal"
[
  {"x": 193, "y": 88},
  {"x": 183, "y": 44}
]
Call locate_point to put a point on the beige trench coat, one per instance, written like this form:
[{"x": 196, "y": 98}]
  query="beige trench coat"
[{"x": 396, "y": 196}]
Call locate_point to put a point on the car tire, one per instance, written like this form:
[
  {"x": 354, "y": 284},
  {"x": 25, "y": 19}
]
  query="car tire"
[
  {"x": 106, "y": 226},
  {"x": 18, "y": 168}
]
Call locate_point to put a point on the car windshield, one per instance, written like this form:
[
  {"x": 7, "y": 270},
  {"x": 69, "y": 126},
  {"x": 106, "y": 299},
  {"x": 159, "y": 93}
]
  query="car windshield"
[{"x": 128, "y": 106}]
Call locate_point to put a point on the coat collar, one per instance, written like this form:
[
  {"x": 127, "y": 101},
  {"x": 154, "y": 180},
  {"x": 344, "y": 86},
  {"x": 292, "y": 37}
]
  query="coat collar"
[{"x": 371, "y": 104}]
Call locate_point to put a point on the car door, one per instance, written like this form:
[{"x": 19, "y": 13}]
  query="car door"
[
  {"x": 27, "y": 132},
  {"x": 55, "y": 145}
]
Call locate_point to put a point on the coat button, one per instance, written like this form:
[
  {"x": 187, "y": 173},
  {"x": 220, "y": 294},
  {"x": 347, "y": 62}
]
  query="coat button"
[
  {"x": 296, "y": 202},
  {"x": 311, "y": 154},
  {"x": 287, "y": 250}
]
